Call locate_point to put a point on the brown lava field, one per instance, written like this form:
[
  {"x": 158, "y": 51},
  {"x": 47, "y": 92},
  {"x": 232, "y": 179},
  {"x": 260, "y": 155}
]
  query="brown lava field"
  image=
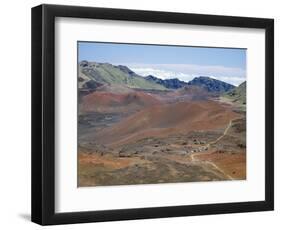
[{"x": 144, "y": 137}]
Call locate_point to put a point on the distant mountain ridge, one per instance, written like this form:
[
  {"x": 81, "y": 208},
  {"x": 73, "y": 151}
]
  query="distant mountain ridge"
[
  {"x": 211, "y": 84},
  {"x": 93, "y": 74},
  {"x": 172, "y": 83}
]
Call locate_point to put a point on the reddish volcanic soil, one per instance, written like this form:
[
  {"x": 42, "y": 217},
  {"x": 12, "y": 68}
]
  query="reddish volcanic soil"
[
  {"x": 129, "y": 136},
  {"x": 231, "y": 164},
  {"x": 167, "y": 119},
  {"x": 105, "y": 161},
  {"x": 106, "y": 102}
]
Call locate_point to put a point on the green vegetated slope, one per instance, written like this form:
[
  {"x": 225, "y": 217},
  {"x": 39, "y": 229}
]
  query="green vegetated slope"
[
  {"x": 91, "y": 74},
  {"x": 238, "y": 94}
]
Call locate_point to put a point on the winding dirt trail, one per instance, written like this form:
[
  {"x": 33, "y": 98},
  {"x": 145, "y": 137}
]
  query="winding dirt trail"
[
  {"x": 193, "y": 158},
  {"x": 224, "y": 133}
]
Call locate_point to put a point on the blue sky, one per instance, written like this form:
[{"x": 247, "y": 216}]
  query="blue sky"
[{"x": 165, "y": 62}]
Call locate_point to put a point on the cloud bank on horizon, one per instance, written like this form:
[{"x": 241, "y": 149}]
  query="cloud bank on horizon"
[{"x": 187, "y": 72}]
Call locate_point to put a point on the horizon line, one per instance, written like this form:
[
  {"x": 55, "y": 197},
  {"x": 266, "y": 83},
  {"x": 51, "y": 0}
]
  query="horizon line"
[{"x": 192, "y": 76}]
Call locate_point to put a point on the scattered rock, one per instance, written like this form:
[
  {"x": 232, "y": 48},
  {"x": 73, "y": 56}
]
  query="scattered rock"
[{"x": 84, "y": 63}]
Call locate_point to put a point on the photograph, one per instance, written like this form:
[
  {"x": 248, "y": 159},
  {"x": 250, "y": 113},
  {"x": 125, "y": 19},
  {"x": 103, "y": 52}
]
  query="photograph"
[{"x": 150, "y": 114}]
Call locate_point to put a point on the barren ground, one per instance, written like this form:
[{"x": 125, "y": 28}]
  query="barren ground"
[{"x": 156, "y": 140}]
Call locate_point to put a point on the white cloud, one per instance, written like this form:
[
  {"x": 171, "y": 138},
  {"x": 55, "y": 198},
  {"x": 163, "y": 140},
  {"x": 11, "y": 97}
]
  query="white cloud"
[
  {"x": 187, "y": 72},
  {"x": 163, "y": 74},
  {"x": 232, "y": 80}
]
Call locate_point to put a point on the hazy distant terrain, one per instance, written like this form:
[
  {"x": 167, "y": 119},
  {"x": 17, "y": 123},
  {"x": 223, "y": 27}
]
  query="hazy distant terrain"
[{"x": 138, "y": 130}]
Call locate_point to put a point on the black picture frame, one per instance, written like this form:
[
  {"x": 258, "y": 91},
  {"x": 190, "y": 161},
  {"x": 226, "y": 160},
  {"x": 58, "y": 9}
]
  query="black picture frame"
[{"x": 43, "y": 114}]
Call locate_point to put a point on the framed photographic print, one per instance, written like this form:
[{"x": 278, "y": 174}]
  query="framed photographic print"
[{"x": 142, "y": 114}]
